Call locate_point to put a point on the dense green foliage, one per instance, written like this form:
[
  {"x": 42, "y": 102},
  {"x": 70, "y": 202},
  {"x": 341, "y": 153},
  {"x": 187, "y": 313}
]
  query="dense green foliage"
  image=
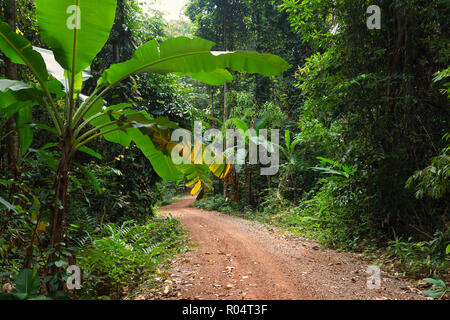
[
  {"x": 368, "y": 110},
  {"x": 363, "y": 116}
]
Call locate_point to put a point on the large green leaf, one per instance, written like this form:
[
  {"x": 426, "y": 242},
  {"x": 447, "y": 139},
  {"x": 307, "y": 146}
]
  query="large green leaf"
[
  {"x": 24, "y": 117},
  {"x": 265, "y": 64},
  {"x": 28, "y": 282},
  {"x": 145, "y": 132},
  {"x": 11, "y": 102},
  {"x": 193, "y": 57},
  {"x": 12, "y": 109},
  {"x": 20, "y": 51},
  {"x": 55, "y": 69},
  {"x": 75, "y": 44},
  {"x": 214, "y": 78},
  {"x": 13, "y": 85},
  {"x": 13, "y": 92},
  {"x": 162, "y": 163}
]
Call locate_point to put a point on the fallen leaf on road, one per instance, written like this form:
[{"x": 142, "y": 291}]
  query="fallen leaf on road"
[{"x": 166, "y": 289}]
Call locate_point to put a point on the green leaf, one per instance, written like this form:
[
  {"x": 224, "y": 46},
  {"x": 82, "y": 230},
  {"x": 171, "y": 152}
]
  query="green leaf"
[
  {"x": 48, "y": 157},
  {"x": 287, "y": 138},
  {"x": 13, "y": 91},
  {"x": 9, "y": 111},
  {"x": 110, "y": 114},
  {"x": 24, "y": 116},
  {"x": 91, "y": 152},
  {"x": 9, "y": 98},
  {"x": 435, "y": 282},
  {"x": 252, "y": 62},
  {"x": 162, "y": 163},
  {"x": 437, "y": 290},
  {"x": 28, "y": 282},
  {"x": 55, "y": 69},
  {"x": 294, "y": 144},
  {"x": 91, "y": 177},
  {"x": 447, "y": 251},
  {"x": 75, "y": 45},
  {"x": 261, "y": 123},
  {"x": 42, "y": 127},
  {"x": 8, "y": 205},
  {"x": 13, "y": 85},
  {"x": 20, "y": 51},
  {"x": 13, "y": 296},
  {"x": 435, "y": 294},
  {"x": 241, "y": 125},
  {"x": 214, "y": 78},
  {"x": 193, "y": 57}
]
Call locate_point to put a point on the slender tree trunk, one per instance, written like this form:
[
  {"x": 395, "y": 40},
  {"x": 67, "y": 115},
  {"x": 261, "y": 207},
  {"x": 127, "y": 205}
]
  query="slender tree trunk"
[
  {"x": 212, "y": 105},
  {"x": 235, "y": 186},
  {"x": 12, "y": 73},
  {"x": 121, "y": 16},
  {"x": 225, "y": 85},
  {"x": 225, "y": 118},
  {"x": 250, "y": 186},
  {"x": 61, "y": 201}
]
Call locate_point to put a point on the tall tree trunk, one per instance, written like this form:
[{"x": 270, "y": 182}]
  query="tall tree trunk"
[
  {"x": 225, "y": 85},
  {"x": 212, "y": 105},
  {"x": 120, "y": 13},
  {"x": 250, "y": 185},
  {"x": 225, "y": 118},
  {"x": 12, "y": 73}
]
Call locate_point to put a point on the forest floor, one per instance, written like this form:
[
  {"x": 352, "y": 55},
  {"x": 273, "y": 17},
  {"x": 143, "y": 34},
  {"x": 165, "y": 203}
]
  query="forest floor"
[{"x": 233, "y": 258}]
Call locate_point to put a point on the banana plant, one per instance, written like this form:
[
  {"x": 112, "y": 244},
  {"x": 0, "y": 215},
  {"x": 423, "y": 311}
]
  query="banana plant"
[{"x": 75, "y": 31}]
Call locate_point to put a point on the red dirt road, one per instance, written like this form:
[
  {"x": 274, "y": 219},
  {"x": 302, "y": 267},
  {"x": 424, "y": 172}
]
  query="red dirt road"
[{"x": 236, "y": 259}]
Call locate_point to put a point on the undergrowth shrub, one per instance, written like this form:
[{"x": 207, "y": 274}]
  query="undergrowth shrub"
[
  {"x": 425, "y": 258},
  {"x": 118, "y": 254}
]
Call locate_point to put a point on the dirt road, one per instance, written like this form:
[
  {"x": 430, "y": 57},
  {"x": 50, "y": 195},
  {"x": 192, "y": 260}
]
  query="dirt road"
[{"x": 233, "y": 258}]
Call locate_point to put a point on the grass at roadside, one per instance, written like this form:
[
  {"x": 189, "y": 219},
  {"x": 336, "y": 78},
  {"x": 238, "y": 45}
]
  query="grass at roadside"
[{"x": 169, "y": 199}]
